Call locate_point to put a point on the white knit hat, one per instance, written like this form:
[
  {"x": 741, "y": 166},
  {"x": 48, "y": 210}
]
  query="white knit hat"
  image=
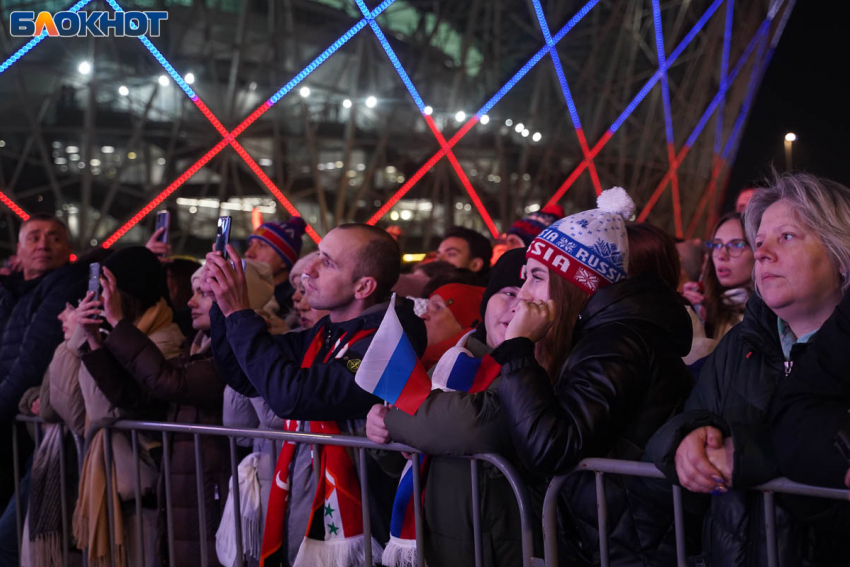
[{"x": 589, "y": 249}]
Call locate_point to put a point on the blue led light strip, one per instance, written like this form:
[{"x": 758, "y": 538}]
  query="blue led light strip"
[
  {"x": 160, "y": 57},
  {"x": 556, "y": 60},
  {"x": 724, "y": 73},
  {"x": 35, "y": 41},
  {"x": 328, "y": 52},
  {"x": 668, "y": 63},
  {"x": 752, "y": 88},
  {"x": 534, "y": 60},
  {"x": 402, "y": 73},
  {"x": 721, "y": 94},
  {"x": 662, "y": 65}
]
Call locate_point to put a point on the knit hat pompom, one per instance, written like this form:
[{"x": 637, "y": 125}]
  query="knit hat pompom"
[{"x": 617, "y": 202}]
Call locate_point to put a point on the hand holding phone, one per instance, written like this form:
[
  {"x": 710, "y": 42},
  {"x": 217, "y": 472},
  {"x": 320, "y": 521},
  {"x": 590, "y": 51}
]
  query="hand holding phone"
[
  {"x": 94, "y": 280},
  {"x": 222, "y": 235}
]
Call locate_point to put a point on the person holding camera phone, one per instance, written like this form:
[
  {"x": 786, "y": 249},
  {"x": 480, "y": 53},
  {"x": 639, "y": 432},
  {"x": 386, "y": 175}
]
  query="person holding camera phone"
[{"x": 309, "y": 374}]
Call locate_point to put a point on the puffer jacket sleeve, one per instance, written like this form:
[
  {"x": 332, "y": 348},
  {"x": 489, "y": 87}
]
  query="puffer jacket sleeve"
[
  {"x": 273, "y": 365},
  {"x": 812, "y": 407},
  {"x": 66, "y": 398},
  {"x": 754, "y": 460},
  {"x": 43, "y": 334},
  {"x": 239, "y": 412},
  {"x": 454, "y": 423},
  {"x": 108, "y": 387},
  {"x": 231, "y": 372},
  {"x": 702, "y": 408},
  {"x": 178, "y": 380},
  {"x": 553, "y": 429}
]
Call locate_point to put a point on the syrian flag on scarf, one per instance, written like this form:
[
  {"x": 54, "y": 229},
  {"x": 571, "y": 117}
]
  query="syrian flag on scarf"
[
  {"x": 335, "y": 529},
  {"x": 272, "y": 553},
  {"x": 391, "y": 370},
  {"x": 458, "y": 370}
]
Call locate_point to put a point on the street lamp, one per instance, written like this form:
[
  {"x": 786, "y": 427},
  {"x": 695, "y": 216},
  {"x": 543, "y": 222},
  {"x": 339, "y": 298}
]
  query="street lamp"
[{"x": 790, "y": 138}]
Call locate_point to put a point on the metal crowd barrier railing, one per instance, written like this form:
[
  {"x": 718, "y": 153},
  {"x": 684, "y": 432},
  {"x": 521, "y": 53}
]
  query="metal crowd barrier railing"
[
  {"x": 359, "y": 443},
  {"x": 601, "y": 467}
]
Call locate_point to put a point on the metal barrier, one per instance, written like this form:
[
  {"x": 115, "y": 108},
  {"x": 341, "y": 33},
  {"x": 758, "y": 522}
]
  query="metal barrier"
[
  {"x": 600, "y": 467},
  {"x": 527, "y": 523}
]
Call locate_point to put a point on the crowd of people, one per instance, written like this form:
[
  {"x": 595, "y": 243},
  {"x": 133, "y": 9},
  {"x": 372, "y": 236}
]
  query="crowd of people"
[{"x": 578, "y": 336}]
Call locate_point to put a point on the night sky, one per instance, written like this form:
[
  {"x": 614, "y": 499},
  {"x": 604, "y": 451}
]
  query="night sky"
[{"x": 804, "y": 91}]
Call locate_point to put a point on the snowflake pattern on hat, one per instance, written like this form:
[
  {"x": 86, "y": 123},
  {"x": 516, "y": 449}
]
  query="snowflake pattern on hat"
[
  {"x": 587, "y": 279},
  {"x": 608, "y": 251},
  {"x": 566, "y": 244}
]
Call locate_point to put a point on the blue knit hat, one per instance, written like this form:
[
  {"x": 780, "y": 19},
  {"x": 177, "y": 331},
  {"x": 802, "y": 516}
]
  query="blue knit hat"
[{"x": 285, "y": 237}]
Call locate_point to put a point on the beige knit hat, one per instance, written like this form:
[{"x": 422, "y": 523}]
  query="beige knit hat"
[{"x": 260, "y": 282}]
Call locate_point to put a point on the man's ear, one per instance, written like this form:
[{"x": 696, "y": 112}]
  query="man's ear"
[
  {"x": 476, "y": 265},
  {"x": 365, "y": 287}
]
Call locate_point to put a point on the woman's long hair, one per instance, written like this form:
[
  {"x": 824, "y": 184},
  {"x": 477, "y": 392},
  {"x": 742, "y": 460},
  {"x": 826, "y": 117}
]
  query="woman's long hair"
[
  {"x": 718, "y": 315},
  {"x": 552, "y": 351}
]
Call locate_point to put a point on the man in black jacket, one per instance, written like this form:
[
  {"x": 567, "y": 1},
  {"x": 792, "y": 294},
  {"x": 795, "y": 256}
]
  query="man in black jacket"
[{"x": 30, "y": 302}]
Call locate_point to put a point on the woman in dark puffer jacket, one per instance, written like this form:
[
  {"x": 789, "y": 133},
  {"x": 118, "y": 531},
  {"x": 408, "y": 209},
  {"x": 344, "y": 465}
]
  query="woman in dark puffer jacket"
[
  {"x": 194, "y": 390},
  {"x": 723, "y": 441},
  {"x": 615, "y": 378}
]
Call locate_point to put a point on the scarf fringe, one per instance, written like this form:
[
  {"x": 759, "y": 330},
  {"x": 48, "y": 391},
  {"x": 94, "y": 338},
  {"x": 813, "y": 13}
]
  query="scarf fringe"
[
  {"x": 46, "y": 550},
  {"x": 399, "y": 553},
  {"x": 348, "y": 552}
]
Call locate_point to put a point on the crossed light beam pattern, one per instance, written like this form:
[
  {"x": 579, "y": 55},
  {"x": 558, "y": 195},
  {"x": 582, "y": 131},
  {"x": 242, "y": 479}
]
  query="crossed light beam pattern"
[{"x": 664, "y": 62}]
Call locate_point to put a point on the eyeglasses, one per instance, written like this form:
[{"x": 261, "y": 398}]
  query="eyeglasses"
[{"x": 734, "y": 247}]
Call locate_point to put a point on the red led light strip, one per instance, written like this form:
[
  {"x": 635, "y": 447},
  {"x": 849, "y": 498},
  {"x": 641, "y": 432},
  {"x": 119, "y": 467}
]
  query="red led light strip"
[
  {"x": 229, "y": 139},
  {"x": 476, "y": 200},
  {"x": 13, "y": 206}
]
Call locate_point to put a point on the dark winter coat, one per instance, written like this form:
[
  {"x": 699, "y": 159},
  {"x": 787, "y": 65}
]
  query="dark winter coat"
[
  {"x": 254, "y": 362},
  {"x": 623, "y": 378},
  {"x": 809, "y": 410},
  {"x": 29, "y": 333},
  {"x": 30, "y": 330},
  {"x": 446, "y": 425},
  {"x": 194, "y": 391},
  {"x": 734, "y": 393}
]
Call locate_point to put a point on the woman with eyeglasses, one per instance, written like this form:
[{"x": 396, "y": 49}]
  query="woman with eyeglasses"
[{"x": 726, "y": 283}]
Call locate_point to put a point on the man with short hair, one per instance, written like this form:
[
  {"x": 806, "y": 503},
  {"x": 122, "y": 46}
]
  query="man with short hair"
[
  {"x": 309, "y": 375},
  {"x": 465, "y": 248},
  {"x": 31, "y": 299},
  {"x": 278, "y": 245}
]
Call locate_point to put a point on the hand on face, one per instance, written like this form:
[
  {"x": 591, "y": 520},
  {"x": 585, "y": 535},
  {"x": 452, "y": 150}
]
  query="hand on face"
[
  {"x": 531, "y": 320},
  {"x": 227, "y": 280}
]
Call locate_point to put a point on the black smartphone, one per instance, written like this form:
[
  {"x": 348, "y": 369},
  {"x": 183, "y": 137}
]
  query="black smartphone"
[
  {"x": 163, "y": 220},
  {"x": 222, "y": 235},
  {"x": 94, "y": 280}
]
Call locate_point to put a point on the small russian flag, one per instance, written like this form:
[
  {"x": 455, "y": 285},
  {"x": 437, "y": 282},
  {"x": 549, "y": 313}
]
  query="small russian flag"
[{"x": 390, "y": 369}]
